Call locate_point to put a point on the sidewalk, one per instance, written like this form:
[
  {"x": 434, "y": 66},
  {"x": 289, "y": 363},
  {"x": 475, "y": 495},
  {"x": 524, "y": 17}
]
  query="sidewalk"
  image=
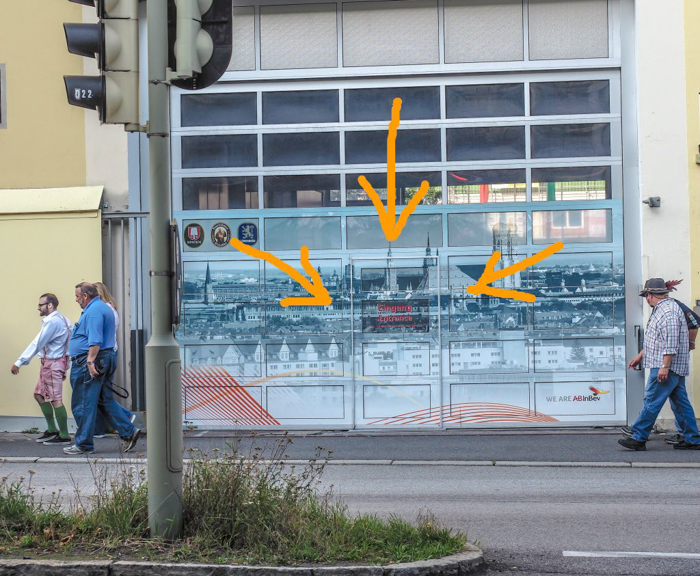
[{"x": 497, "y": 447}]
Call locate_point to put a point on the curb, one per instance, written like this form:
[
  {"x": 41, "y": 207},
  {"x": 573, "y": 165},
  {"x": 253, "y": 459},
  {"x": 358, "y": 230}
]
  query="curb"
[
  {"x": 468, "y": 562},
  {"x": 489, "y": 463}
]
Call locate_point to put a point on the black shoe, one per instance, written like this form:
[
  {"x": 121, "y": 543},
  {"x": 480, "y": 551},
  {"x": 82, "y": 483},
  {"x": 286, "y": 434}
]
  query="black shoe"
[
  {"x": 626, "y": 431},
  {"x": 46, "y": 436},
  {"x": 57, "y": 441},
  {"x": 675, "y": 439},
  {"x": 683, "y": 445},
  {"x": 632, "y": 444},
  {"x": 131, "y": 442}
]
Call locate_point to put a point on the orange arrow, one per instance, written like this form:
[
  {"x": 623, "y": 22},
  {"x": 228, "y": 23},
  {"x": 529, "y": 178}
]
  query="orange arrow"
[
  {"x": 319, "y": 293},
  {"x": 387, "y": 216},
  {"x": 489, "y": 275}
]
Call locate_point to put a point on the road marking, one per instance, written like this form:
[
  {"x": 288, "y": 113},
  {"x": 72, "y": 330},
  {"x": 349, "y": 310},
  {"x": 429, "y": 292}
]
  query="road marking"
[{"x": 578, "y": 554}]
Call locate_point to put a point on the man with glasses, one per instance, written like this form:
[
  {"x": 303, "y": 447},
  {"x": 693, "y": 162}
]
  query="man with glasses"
[{"x": 51, "y": 345}]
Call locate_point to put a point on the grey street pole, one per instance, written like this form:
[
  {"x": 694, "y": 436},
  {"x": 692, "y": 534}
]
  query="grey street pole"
[{"x": 163, "y": 383}]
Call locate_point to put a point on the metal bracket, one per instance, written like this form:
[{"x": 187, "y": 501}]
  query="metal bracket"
[
  {"x": 652, "y": 201},
  {"x": 169, "y": 273}
]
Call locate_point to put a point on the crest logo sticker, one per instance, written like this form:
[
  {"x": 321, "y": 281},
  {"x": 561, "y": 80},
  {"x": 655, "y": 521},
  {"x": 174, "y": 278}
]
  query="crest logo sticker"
[
  {"x": 220, "y": 234},
  {"x": 248, "y": 233},
  {"x": 193, "y": 235}
]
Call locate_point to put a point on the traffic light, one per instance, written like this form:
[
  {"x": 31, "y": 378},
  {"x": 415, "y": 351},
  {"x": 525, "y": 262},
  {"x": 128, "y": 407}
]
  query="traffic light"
[
  {"x": 114, "y": 42},
  {"x": 200, "y": 34}
]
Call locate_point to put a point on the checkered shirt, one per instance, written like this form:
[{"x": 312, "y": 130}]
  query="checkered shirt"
[{"x": 667, "y": 333}]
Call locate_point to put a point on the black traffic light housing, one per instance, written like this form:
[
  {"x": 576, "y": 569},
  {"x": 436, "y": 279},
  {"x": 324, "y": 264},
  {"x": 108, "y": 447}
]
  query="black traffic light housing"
[{"x": 216, "y": 21}]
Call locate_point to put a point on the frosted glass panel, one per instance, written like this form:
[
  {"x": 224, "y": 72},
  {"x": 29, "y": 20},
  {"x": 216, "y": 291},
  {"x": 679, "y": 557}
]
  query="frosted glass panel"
[
  {"x": 390, "y": 33},
  {"x": 321, "y": 233},
  {"x": 243, "y": 53},
  {"x": 298, "y": 36},
  {"x": 484, "y": 229},
  {"x": 570, "y": 29},
  {"x": 483, "y": 30}
]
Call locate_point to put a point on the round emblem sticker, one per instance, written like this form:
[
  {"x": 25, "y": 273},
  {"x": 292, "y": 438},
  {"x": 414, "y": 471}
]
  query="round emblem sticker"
[
  {"x": 220, "y": 234},
  {"x": 193, "y": 235},
  {"x": 248, "y": 233}
]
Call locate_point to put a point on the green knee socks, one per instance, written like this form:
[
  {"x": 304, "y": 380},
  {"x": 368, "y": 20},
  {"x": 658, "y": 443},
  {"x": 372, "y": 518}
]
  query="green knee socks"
[
  {"x": 47, "y": 410},
  {"x": 62, "y": 419}
]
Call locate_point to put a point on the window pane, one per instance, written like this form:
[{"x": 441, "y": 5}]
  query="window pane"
[
  {"x": 571, "y": 226},
  {"x": 304, "y": 106},
  {"x": 586, "y": 183},
  {"x": 587, "y": 97},
  {"x": 374, "y": 104},
  {"x": 481, "y": 186},
  {"x": 486, "y": 228},
  {"x": 219, "y": 109},
  {"x": 490, "y": 143},
  {"x": 570, "y": 140},
  {"x": 318, "y": 233},
  {"x": 367, "y": 147},
  {"x": 407, "y": 184},
  {"x": 424, "y": 229},
  {"x": 304, "y": 149},
  {"x": 231, "y": 151},
  {"x": 312, "y": 191},
  {"x": 220, "y": 193},
  {"x": 485, "y": 101}
]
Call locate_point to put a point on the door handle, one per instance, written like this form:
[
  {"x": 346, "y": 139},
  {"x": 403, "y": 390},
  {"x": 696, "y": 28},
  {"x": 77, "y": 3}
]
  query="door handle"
[{"x": 639, "y": 335}]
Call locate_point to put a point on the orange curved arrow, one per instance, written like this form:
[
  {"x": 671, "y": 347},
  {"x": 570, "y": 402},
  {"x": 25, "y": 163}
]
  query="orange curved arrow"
[
  {"x": 387, "y": 216},
  {"x": 489, "y": 275},
  {"x": 319, "y": 293}
]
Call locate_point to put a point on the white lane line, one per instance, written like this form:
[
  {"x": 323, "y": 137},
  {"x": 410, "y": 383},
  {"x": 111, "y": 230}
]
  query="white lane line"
[{"x": 579, "y": 554}]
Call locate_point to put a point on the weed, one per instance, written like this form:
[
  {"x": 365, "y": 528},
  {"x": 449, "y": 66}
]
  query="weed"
[{"x": 33, "y": 430}]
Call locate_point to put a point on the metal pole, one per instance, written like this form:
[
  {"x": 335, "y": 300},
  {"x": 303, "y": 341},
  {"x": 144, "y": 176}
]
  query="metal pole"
[{"x": 163, "y": 384}]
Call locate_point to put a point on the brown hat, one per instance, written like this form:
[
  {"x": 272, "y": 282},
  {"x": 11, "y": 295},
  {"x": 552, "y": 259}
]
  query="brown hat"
[{"x": 655, "y": 286}]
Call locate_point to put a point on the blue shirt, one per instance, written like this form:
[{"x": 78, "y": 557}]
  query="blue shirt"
[{"x": 95, "y": 328}]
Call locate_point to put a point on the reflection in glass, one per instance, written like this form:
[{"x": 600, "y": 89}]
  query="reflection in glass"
[
  {"x": 487, "y": 143},
  {"x": 305, "y": 359},
  {"x": 465, "y": 271},
  {"x": 488, "y": 355},
  {"x": 581, "y": 183},
  {"x": 318, "y": 233},
  {"x": 302, "y": 149},
  {"x": 589, "y": 272},
  {"x": 575, "y": 97},
  {"x": 395, "y": 359},
  {"x": 570, "y": 140},
  {"x": 369, "y": 147},
  {"x": 486, "y": 228},
  {"x": 225, "y": 151},
  {"x": 308, "y": 191},
  {"x": 485, "y": 101},
  {"x": 222, "y": 320},
  {"x": 219, "y": 281},
  {"x": 563, "y": 309},
  {"x": 238, "y": 192},
  {"x": 575, "y": 354},
  {"x": 482, "y": 186},
  {"x": 235, "y": 109},
  {"x": 401, "y": 279},
  {"x": 278, "y": 284},
  {"x": 407, "y": 184},
  {"x": 300, "y": 107},
  {"x": 476, "y": 315},
  {"x": 239, "y": 360},
  {"x": 571, "y": 226},
  {"x": 374, "y": 104},
  {"x": 425, "y": 230}
]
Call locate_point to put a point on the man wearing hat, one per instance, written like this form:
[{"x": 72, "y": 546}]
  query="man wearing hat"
[{"x": 666, "y": 354}]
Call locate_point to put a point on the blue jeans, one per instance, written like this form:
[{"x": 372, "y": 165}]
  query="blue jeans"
[
  {"x": 102, "y": 418},
  {"x": 655, "y": 396},
  {"x": 90, "y": 392}
]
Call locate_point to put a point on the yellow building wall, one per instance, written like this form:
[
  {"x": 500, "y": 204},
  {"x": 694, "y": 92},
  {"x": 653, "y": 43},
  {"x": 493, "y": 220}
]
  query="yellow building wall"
[
  {"x": 692, "y": 62},
  {"x": 52, "y": 254},
  {"x": 44, "y": 142}
]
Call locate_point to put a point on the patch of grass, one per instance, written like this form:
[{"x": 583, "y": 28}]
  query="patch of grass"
[
  {"x": 34, "y": 430},
  {"x": 237, "y": 508}
]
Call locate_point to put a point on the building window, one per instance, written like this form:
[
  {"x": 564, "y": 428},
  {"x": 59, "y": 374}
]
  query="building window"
[{"x": 3, "y": 98}]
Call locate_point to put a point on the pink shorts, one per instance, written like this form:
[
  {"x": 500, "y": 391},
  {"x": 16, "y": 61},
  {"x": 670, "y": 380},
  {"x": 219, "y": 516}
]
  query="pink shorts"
[{"x": 51, "y": 377}]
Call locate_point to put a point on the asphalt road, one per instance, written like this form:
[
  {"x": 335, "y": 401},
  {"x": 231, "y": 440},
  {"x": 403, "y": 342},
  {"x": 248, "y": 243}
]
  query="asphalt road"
[
  {"x": 525, "y": 518},
  {"x": 451, "y": 446}
]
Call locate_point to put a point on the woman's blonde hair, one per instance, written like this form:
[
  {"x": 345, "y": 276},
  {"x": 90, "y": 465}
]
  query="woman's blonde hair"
[{"x": 105, "y": 294}]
